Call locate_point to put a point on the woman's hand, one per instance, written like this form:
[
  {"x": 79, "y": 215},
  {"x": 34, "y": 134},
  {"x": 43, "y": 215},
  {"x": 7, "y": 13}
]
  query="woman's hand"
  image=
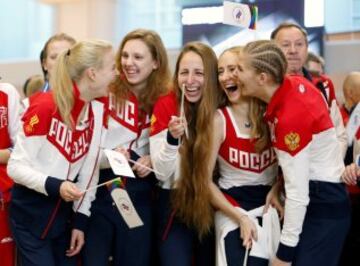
[
  {"x": 248, "y": 230},
  {"x": 351, "y": 174},
  {"x": 140, "y": 170},
  {"x": 76, "y": 243},
  {"x": 273, "y": 199},
  {"x": 176, "y": 127},
  {"x": 124, "y": 152},
  {"x": 69, "y": 191}
]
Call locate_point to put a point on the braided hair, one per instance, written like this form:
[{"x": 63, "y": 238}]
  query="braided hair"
[{"x": 266, "y": 56}]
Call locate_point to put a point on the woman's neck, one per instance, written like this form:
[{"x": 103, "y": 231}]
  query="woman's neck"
[
  {"x": 268, "y": 92},
  {"x": 85, "y": 93},
  {"x": 137, "y": 89},
  {"x": 241, "y": 109}
]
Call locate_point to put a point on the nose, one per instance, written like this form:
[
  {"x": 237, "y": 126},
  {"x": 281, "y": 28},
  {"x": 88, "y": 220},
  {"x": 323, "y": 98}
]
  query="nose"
[
  {"x": 190, "y": 78},
  {"x": 234, "y": 74},
  {"x": 225, "y": 76},
  {"x": 128, "y": 61},
  {"x": 292, "y": 48}
]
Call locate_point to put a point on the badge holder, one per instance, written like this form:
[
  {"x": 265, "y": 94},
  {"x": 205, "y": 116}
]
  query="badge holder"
[{"x": 126, "y": 207}]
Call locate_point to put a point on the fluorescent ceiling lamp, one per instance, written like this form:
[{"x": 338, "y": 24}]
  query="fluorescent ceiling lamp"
[
  {"x": 202, "y": 15},
  {"x": 314, "y": 13}
]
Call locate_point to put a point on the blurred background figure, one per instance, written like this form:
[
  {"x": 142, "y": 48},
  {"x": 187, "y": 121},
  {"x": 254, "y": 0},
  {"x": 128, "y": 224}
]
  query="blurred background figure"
[
  {"x": 351, "y": 90},
  {"x": 315, "y": 64},
  {"x": 52, "y": 48},
  {"x": 349, "y": 111},
  {"x": 33, "y": 84}
]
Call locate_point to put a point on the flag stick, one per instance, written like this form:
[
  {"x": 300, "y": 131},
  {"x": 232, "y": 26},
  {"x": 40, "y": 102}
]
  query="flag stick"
[
  {"x": 107, "y": 182},
  {"x": 246, "y": 256},
  {"x": 182, "y": 100},
  {"x": 148, "y": 168},
  {"x": 182, "y": 113},
  {"x": 102, "y": 184}
]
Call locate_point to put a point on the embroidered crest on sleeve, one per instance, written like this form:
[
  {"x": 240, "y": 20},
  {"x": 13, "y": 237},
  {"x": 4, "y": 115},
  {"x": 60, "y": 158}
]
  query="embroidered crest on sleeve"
[
  {"x": 292, "y": 141},
  {"x": 30, "y": 126},
  {"x": 152, "y": 122}
]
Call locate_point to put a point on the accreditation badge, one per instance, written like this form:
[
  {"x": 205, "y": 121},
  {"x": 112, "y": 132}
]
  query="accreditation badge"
[{"x": 126, "y": 207}]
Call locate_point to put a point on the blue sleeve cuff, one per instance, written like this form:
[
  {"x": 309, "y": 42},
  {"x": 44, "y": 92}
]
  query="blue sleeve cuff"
[
  {"x": 81, "y": 221},
  {"x": 285, "y": 253},
  {"x": 52, "y": 186},
  {"x": 171, "y": 140}
]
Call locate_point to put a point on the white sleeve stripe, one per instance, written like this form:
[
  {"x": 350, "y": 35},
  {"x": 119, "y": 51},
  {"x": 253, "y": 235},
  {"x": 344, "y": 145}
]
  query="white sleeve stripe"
[{"x": 296, "y": 177}]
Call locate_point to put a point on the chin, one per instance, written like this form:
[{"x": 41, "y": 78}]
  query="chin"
[{"x": 193, "y": 99}]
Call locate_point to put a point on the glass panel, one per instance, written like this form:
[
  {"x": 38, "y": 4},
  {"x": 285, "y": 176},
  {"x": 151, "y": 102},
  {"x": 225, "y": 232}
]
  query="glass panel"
[{"x": 25, "y": 25}]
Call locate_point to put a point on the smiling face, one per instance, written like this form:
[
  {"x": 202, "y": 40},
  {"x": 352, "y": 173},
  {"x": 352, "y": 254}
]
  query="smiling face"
[
  {"x": 137, "y": 63},
  {"x": 227, "y": 72},
  {"x": 191, "y": 74},
  {"x": 293, "y": 44}
]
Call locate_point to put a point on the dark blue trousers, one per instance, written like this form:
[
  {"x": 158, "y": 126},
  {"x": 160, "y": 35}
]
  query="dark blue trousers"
[
  {"x": 326, "y": 224},
  {"x": 41, "y": 252},
  {"x": 109, "y": 235},
  {"x": 349, "y": 256},
  {"x": 248, "y": 197},
  {"x": 178, "y": 245}
]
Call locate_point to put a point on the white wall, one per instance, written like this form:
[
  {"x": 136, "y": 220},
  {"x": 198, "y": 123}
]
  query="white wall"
[
  {"x": 81, "y": 19},
  {"x": 87, "y": 18},
  {"x": 341, "y": 57},
  {"x": 17, "y": 72}
]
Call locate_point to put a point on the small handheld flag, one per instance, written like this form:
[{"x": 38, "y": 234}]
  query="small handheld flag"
[
  {"x": 109, "y": 182},
  {"x": 182, "y": 113},
  {"x": 240, "y": 15},
  {"x": 119, "y": 164}
]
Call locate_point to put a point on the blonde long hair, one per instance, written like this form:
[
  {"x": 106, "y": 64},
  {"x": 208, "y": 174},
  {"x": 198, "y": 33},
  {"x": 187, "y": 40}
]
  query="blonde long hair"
[
  {"x": 257, "y": 108},
  {"x": 70, "y": 66},
  {"x": 159, "y": 79},
  {"x": 191, "y": 196}
]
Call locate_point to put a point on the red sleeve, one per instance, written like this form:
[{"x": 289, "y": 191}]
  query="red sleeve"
[
  {"x": 36, "y": 120},
  {"x": 164, "y": 108},
  {"x": 344, "y": 115},
  {"x": 302, "y": 117}
]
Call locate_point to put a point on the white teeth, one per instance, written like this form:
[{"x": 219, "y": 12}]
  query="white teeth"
[
  {"x": 132, "y": 71},
  {"x": 230, "y": 85},
  {"x": 192, "y": 88}
]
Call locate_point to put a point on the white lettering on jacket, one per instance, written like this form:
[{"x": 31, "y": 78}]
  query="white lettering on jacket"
[
  {"x": 251, "y": 161},
  {"x": 72, "y": 145},
  {"x": 125, "y": 112}
]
